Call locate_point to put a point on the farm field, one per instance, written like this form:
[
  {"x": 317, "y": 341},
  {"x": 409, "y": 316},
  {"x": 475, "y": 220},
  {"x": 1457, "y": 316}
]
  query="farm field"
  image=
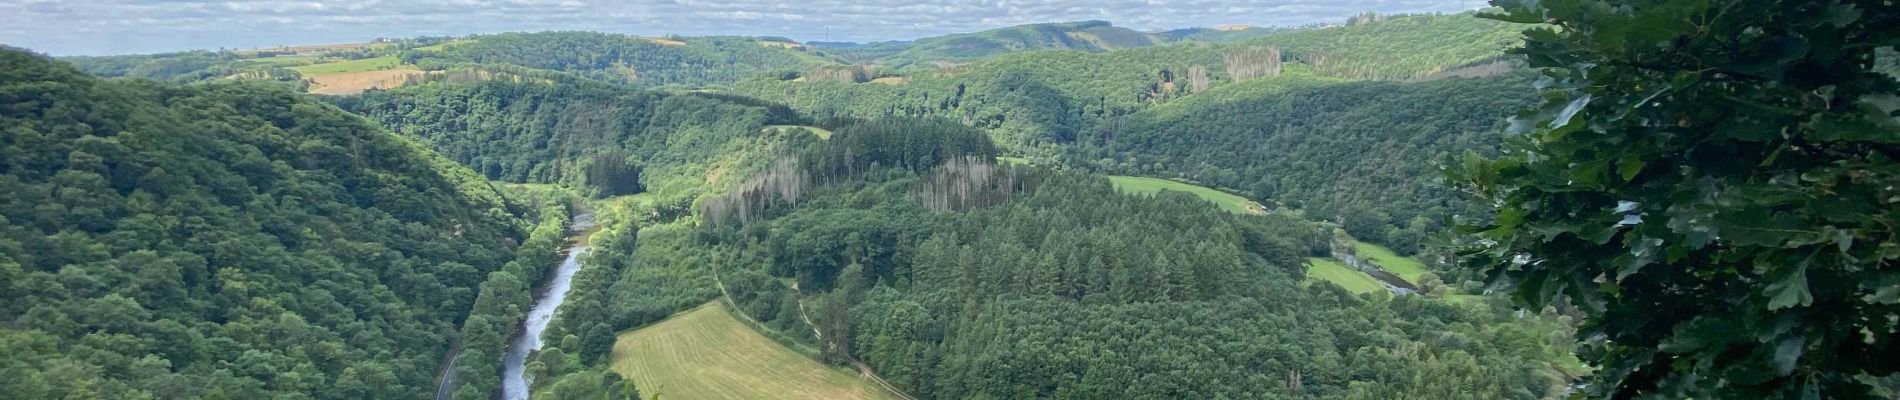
[
  {"x": 282, "y": 61},
  {"x": 347, "y": 66},
  {"x": 1329, "y": 270},
  {"x": 706, "y": 354},
  {"x": 1406, "y": 268},
  {"x": 1012, "y": 160},
  {"x": 357, "y": 82},
  {"x": 1226, "y": 201}
]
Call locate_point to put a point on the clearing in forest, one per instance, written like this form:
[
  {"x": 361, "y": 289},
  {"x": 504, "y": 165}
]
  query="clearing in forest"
[
  {"x": 821, "y": 132},
  {"x": 1406, "y": 268},
  {"x": 1226, "y": 201},
  {"x": 1329, "y": 270},
  {"x": 705, "y": 353}
]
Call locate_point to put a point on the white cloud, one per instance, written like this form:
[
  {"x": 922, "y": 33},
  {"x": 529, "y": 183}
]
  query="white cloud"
[{"x": 65, "y": 27}]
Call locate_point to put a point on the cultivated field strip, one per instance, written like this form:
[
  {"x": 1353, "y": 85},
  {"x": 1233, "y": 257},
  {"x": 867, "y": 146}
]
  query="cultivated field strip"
[{"x": 705, "y": 354}]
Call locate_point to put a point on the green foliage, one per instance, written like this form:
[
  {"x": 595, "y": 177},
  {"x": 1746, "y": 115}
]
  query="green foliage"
[
  {"x": 1091, "y": 36},
  {"x": 1396, "y": 47},
  {"x": 618, "y": 58},
  {"x": 1063, "y": 288},
  {"x": 504, "y": 300},
  {"x": 1357, "y": 152},
  {"x": 1713, "y": 182},
  {"x": 227, "y": 240},
  {"x": 175, "y": 67},
  {"x": 574, "y": 134}
]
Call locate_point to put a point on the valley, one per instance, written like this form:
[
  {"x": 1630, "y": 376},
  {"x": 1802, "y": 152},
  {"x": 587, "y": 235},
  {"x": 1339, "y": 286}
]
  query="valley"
[{"x": 1533, "y": 200}]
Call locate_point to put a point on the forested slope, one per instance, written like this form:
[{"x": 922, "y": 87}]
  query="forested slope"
[
  {"x": 1396, "y": 47},
  {"x": 956, "y": 278},
  {"x": 607, "y": 140},
  {"x": 1360, "y": 152},
  {"x": 1035, "y": 101},
  {"x": 642, "y": 62},
  {"x": 225, "y": 241}
]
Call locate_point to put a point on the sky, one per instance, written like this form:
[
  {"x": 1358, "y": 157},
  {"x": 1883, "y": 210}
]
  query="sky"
[{"x": 101, "y": 27}]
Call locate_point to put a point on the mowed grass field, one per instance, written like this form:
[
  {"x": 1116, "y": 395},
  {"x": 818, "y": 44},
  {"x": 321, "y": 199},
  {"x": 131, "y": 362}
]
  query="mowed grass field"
[
  {"x": 1329, "y": 270},
  {"x": 1226, "y": 201},
  {"x": 706, "y": 354},
  {"x": 1406, "y": 268},
  {"x": 348, "y": 66},
  {"x": 821, "y": 132}
]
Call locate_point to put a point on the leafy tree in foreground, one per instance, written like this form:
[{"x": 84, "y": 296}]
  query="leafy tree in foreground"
[{"x": 1714, "y": 182}]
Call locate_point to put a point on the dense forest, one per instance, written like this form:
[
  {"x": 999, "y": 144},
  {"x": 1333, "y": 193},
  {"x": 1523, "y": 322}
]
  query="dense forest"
[
  {"x": 956, "y": 278},
  {"x": 1649, "y": 199},
  {"x": 1268, "y": 117},
  {"x": 643, "y": 62},
  {"x": 232, "y": 240},
  {"x": 1358, "y": 153},
  {"x": 595, "y": 137}
]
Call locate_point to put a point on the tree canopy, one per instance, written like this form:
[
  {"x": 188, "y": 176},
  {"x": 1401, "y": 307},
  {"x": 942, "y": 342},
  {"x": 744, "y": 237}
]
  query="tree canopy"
[
  {"x": 225, "y": 241},
  {"x": 1713, "y": 181}
]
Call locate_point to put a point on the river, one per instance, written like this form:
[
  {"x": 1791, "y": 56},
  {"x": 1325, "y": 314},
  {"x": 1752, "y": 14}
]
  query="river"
[{"x": 514, "y": 380}]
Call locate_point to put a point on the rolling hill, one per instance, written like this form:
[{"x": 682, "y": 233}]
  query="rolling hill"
[{"x": 226, "y": 240}]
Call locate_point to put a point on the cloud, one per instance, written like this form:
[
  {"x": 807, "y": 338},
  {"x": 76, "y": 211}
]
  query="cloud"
[{"x": 73, "y": 27}]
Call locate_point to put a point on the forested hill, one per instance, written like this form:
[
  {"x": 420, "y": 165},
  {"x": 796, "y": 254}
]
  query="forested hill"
[
  {"x": 1033, "y": 100},
  {"x": 230, "y": 240},
  {"x": 640, "y": 61},
  {"x": 1090, "y": 36},
  {"x": 608, "y": 140},
  {"x": 1360, "y": 153},
  {"x": 1397, "y": 47},
  {"x": 956, "y": 278}
]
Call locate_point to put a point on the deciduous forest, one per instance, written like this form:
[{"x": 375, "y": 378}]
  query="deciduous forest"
[{"x": 1534, "y": 200}]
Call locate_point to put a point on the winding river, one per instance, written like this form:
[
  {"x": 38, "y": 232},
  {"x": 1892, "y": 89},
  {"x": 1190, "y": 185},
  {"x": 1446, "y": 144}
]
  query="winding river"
[{"x": 514, "y": 380}]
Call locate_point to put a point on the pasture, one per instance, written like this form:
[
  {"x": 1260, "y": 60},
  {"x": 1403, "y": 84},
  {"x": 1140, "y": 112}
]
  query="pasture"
[
  {"x": 821, "y": 132},
  {"x": 1406, "y": 268},
  {"x": 1226, "y": 201},
  {"x": 1320, "y": 269},
  {"x": 707, "y": 354},
  {"x": 348, "y": 66}
]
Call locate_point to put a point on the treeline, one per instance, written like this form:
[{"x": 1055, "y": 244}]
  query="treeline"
[
  {"x": 1066, "y": 288},
  {"x": 504, "y": 299},
  {"x": 1359, "y": 153},
  {"x": 228, "y": 240},
  {"x": 643, "y": 62}
]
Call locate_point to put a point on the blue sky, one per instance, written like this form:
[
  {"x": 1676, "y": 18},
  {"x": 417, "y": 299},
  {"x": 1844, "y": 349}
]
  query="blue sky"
[{"x": 94, "y": 27}]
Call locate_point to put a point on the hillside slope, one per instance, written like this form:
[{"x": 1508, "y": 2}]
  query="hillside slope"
[{"x": 230, "y": 240}]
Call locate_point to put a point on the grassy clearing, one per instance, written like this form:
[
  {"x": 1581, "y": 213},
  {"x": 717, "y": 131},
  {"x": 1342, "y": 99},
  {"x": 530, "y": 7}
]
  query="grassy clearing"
[
  {"x": 282, "y": 61},
  {"x": 1012, "y": 160},
  {"x": 706, "y": 354},
  {"x": 821, "y": 132},
  {"x": 1406, "y": 268},
  {"x": 348, "y": 66},
  {"x": 1329, "y": 270},
  {"x": 1226, "y": 201}
]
